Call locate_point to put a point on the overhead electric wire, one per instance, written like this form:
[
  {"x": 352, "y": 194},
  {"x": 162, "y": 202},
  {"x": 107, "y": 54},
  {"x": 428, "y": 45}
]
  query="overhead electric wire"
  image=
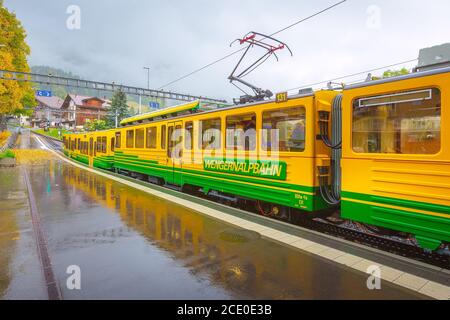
[
  {"x": 241, "y": 49},
  {"x": 351, "y": 75}
]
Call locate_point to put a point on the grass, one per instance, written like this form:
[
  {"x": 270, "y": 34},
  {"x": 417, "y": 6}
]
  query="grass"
[
  {"x": 7, "y": 154},
  {"x": 52, "y": 133}
]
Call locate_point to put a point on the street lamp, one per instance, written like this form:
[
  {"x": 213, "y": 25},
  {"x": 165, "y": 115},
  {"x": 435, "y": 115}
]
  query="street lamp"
[{"x": 148, "y": 77}]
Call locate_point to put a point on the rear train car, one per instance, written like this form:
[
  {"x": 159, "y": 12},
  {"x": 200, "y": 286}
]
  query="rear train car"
[{"x": 396, "y": 155}]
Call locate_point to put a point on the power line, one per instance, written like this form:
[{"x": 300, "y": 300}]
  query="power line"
[
  {"x": 309, "y": 17},
  {"x": 352, "y": 75},
  {"x": 241, "y": 49}
]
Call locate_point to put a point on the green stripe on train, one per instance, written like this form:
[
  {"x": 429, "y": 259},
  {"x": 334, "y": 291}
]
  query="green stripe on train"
[
  {"x": 80, "y": 157},
  {"x": 152, "y": 163},
  {"x": 295, "y": 196},
  {"x": 104, "y": 162},
  {"x": 429, "y": 230}
]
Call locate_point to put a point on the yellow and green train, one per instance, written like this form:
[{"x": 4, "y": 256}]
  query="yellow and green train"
[{"x": 376, "y": 152}]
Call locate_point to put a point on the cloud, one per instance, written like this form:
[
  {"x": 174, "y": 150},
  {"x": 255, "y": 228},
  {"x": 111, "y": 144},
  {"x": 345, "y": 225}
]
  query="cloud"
[{"x": 117, "y": 38}]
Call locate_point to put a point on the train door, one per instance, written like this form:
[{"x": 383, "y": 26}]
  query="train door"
[{"x": 175, "y": 151}]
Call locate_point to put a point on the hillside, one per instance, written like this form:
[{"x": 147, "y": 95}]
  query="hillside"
[{"x": 61, "y": 91}]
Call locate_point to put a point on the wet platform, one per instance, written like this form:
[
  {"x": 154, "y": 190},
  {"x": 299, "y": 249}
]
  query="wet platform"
[{"x": 130, "y": 244}]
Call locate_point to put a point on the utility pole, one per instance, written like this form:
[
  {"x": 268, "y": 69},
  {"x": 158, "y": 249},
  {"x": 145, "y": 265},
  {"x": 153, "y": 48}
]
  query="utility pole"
[
  {"x": 140, "y": 105},
  {"x": 148, "y": 87},
  {"x": 148, "y": 77}
]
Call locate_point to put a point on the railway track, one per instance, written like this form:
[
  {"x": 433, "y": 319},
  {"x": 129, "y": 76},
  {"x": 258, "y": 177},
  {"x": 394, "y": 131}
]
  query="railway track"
[
  {"x": 439, "y": 259},
  {"x": 52, "y": 143},
  {"x": 381, "y": 242}
]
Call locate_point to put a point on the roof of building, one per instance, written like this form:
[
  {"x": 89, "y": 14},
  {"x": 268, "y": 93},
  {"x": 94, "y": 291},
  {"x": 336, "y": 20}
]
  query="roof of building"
[
  {"x": 51, "y": 102},
  {"x": 78, "y": 99}
]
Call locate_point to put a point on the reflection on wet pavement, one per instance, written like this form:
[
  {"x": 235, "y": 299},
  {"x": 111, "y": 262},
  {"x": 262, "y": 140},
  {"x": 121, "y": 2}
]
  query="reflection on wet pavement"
[
  {"x": 20, "y": 269},
  {"x": 130, "y": 244}
]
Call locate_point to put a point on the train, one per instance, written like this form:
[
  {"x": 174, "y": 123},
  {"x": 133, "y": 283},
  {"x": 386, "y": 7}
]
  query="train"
[{"x": 375, "y": 152}]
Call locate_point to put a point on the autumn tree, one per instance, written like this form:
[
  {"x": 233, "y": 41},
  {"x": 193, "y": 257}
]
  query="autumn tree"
[{"x": 14, "y": 95}]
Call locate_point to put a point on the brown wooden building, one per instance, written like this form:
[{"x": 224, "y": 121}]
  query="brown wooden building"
[{"x": 80, "y": 108}]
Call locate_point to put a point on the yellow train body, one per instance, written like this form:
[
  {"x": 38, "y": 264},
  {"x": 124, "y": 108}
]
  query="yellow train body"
[{"x": 395, "y": 158}]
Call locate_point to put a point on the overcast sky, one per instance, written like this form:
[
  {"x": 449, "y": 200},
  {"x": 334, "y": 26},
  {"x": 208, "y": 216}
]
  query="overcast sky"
[{"x": 118, "y": 37}]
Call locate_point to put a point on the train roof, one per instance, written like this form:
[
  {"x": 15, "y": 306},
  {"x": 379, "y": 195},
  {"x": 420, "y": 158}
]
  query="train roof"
[{"x": 190, "y": 107}]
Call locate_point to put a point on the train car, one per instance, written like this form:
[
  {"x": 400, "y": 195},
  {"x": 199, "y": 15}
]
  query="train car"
[
  {"x": 95, "y": 149},
  {"x": 212, "y": 152},
  {"x": 396, "y": 155},
  {"x": 374, "y": 152}
]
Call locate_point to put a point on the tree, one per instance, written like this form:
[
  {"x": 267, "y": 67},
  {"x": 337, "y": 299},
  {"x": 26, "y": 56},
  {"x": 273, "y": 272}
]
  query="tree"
[
  {"x": 13, "y": 56},
  {"x": 393, "y": 73},
  {"x": 95, "y": 125},
  {"x": 118, "y": 108}
]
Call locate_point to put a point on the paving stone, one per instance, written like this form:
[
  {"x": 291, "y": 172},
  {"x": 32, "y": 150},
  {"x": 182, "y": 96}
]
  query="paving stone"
[
  {"x": 348, "y": 259},
  {"x": 390, "y": 274},
  {"x": 436, "y": 290},
  {"x": 410, "y": 281}
]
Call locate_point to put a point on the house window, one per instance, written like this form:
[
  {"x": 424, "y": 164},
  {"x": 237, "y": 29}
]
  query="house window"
[
  {"x": 130, "y": 138},
  {"x": 151, "y": 137}
]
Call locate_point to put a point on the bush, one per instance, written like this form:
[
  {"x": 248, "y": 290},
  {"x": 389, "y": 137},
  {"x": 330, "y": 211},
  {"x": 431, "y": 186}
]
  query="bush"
[{"x": 8, "y": 153}]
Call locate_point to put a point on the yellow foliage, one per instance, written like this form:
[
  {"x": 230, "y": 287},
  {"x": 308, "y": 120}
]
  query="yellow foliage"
[
  {"x": 3, "y": 136},
  {"x": 13, "y": 56},
  {"x": 33, "y": 156}
]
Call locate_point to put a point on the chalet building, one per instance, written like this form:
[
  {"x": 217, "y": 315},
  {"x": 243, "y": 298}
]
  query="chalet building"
[
  {"x": 77, "y": 109},
  {"x": 48, "y": 110}
]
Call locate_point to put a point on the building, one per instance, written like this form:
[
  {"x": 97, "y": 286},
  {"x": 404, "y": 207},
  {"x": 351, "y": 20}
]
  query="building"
[
  {"x": 77, "y": 109},
  {"x": 48, "y": 110}
]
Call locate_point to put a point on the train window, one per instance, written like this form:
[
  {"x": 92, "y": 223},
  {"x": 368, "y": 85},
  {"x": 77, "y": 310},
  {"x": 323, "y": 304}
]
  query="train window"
[
  {"x": 284, "y": 129},
  {"x": 189, "y": 135},
  {"x": 139, "y": 143},
  {"x": 104, "y": 144},
  {"x": 407, "y": 122},
  {"x": 151, "y": 137},
  {"x": 99, "y": 144},
  {"x": 210, "y": 138},
  {"x": 130, "y": 138},
  {"x": 175, "y": 142},
  {"x": 118, "y": 140},
  {"x": 241, "y": 132},
  {"x": 163, "y": 136},
  {"x": 91, "y": 146},
  {"x": 112, "y": 144}
]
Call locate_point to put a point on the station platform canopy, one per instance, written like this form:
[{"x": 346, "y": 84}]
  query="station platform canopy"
[{"x": 173, "y": 111}]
